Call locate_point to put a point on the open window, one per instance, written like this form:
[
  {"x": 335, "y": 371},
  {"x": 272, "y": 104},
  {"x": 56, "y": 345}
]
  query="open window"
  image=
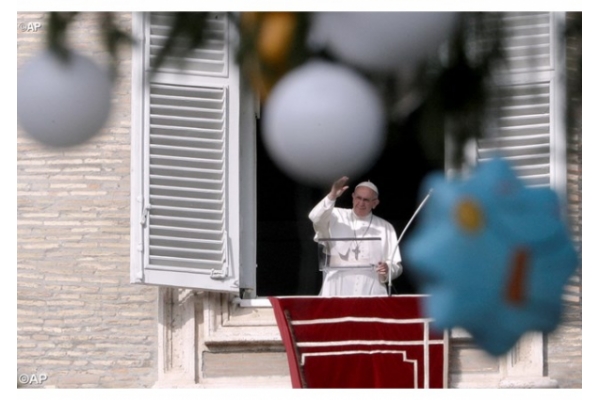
[{"x": 210, "y": 210}]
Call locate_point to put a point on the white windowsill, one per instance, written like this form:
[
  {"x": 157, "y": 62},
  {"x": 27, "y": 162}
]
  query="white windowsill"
[{"x": 255, "y": 303}]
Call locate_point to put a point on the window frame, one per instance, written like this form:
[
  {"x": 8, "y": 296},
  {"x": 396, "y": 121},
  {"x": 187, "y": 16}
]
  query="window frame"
[{"x": 241, "y": 185}]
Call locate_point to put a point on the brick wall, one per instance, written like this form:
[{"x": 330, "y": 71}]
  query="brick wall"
[{"x": 79, "y": 321}]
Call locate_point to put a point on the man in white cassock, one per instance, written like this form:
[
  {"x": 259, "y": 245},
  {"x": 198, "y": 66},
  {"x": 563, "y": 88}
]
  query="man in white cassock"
[{"x": 359, "y": 225}]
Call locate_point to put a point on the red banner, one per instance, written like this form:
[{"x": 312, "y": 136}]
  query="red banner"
[{"x": 360, "y": 342}]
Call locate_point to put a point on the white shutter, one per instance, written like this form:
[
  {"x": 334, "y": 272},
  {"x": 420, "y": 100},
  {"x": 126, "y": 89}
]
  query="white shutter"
[
  {"x": 522, "y": 133},
  {"x": 186, "y": 220},
  {"x": 186, "y": 191},
  {"x": 210, "y": 59},
  {"x": 528, "y": 130},
  {"x": 528, "y": 40}
]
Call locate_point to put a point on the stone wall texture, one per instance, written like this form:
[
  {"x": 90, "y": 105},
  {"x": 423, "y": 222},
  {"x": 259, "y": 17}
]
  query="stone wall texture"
[{"x": 79, "y": 321}]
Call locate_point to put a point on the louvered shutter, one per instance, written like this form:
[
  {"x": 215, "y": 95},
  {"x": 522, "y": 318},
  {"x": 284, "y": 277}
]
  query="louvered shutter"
[
  {"x": 524, "y": 130},
  {"x": 210, "y": 59},
  {"x": 530, "y": 131},
  {"x": 185, "y": 235}
]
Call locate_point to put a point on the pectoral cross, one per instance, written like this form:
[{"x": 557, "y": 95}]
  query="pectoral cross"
[{"x": 356, "y": 251}]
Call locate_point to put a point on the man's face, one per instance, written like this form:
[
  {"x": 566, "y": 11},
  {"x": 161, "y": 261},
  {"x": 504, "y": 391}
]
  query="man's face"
[{"x": 363, "y": 201}]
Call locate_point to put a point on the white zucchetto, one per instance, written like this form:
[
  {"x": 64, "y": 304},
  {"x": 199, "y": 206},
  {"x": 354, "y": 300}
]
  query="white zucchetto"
[{"x": 369, "y": 185}]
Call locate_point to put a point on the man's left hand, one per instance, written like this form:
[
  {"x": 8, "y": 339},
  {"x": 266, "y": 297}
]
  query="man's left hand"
[{"x": 382, "y": 268}]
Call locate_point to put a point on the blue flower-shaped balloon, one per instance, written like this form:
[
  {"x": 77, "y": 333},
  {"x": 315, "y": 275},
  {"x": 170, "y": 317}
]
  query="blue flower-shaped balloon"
[{"x": 493, "y": 255}]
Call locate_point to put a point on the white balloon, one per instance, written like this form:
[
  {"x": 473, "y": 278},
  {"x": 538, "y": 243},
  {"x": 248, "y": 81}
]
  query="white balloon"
[
  {"x": 382, "y": 41},
  {"x": 62, "y": 103},
  {"x": 323, "y": 121}
]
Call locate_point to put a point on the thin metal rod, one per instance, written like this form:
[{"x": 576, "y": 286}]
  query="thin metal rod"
[
  {"x": 413, "y": 217},
  {"x": 402, "y": 235}
]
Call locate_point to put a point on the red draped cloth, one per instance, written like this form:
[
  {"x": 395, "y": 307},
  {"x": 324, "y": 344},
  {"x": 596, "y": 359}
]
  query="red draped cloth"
[{"x": 360, "y": 342}]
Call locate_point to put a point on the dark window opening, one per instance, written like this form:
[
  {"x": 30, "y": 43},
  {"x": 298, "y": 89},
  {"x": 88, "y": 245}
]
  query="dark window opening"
[{"x": 286, "y": 253}]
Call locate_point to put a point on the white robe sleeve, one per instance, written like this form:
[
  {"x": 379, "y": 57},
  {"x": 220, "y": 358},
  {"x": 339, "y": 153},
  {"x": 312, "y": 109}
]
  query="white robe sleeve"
[{"x": 320, "y": 216}]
